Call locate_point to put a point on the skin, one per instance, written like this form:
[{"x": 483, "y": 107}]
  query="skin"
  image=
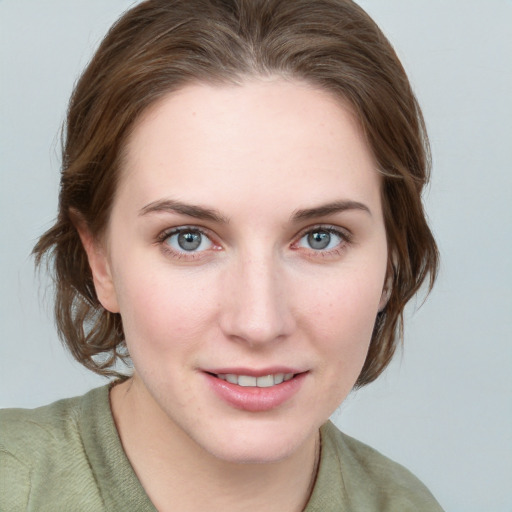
[{"x": 255, "y": 294}]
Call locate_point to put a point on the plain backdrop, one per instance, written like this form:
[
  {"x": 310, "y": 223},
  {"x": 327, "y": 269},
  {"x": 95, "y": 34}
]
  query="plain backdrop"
[{"x": 444, "y": 407}]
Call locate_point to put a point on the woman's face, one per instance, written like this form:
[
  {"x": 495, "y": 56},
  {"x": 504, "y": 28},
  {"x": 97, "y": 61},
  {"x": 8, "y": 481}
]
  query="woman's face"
[{"x": 246, "y": 253}]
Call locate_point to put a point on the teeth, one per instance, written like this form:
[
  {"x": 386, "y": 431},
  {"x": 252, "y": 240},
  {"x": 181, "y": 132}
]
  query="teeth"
[
  {"x": 265, "y": 381},
  {"x": 232, "y": 378},
  {"x": 247, "y": 381}
]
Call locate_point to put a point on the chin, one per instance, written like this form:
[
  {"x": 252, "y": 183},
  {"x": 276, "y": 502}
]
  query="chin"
[
  {"x": 265, "y": 443},
  {"x": 266, "y": 453}
]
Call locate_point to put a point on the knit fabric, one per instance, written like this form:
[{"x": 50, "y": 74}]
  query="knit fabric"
[{"x": 67, "y": 456}]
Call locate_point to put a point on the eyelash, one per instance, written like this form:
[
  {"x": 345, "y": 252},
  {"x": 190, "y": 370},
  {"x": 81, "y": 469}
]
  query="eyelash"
[
  {"x": 184, "y": 255},
  {"x": 344, "y": 236}
]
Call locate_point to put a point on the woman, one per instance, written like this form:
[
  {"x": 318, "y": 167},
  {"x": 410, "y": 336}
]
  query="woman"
[{"x": 240, "y": 217}]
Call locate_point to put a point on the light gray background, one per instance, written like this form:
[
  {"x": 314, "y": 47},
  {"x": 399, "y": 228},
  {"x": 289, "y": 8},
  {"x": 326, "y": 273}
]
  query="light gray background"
[{"x": 444, "y": 408}]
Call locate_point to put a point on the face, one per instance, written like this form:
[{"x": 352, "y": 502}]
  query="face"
[{"x": 246, "y": 253}]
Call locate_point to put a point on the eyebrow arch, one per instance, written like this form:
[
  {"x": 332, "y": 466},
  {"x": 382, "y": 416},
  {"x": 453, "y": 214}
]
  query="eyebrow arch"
[
  {"x": 329, "y": 209},
  {"x": 190, "y": 210}
]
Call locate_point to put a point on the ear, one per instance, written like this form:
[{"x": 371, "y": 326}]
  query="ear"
[
  {"x": 388, "y": 285},
  {"x": 99, "y": 264},
  {"x": 386, "y": 294}
]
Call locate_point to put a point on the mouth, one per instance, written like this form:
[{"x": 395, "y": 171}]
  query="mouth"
[
  {"x": 250, "y": 381},
  {"x": 256, "y": 391}
]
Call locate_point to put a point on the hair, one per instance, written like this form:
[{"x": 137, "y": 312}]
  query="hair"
[{"x": 160, "y": 46}]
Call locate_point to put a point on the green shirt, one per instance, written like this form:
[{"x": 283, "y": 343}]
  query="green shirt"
[{"x": 67, "y": 456}]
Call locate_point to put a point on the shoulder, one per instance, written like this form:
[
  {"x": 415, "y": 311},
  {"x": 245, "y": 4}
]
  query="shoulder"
[
  {"x": 24, "y": 430},
  {"x": 29, "y": 434},
  {"x": 372, "y": 481},
  {"x": 39, "y": 447}
]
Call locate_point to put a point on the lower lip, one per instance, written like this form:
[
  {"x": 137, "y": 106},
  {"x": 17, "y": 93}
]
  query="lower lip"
[{"x": 254, "y": 399}]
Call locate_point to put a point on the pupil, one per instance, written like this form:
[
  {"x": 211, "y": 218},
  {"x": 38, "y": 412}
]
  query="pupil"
[
  {"x": 189, "y": 240},
  {"x": 319, "y": 239}
]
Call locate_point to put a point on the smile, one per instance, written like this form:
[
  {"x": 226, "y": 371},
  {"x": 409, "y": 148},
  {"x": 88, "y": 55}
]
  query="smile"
[
  {"x": 253, "y": 390},
  {"x": 265, "y": 381}
]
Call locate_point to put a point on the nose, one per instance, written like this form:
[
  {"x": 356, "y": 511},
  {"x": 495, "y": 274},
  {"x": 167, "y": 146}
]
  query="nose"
[{"x": 257, "y": 302}]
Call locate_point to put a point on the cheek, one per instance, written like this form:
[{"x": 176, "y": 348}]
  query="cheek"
[
  {"x": 158, "y": 308},
  {"x": 342, "y": 323},
  {"x": 347, "y": 311}
]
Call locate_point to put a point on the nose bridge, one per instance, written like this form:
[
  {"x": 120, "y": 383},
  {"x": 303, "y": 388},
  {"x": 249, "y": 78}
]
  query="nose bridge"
[{"x": 258, "y": 310}]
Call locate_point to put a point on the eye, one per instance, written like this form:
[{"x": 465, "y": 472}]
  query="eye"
[
  {"x": 187, "y": 240},
  {"x": 322, "y": 239}
]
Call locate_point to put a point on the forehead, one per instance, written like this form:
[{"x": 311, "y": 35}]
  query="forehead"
[{"x": 268, "y": 138}]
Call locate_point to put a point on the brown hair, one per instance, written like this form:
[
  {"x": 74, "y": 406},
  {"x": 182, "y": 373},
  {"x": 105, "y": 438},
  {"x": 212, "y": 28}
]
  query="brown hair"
[{"x": 161, "y": 45}]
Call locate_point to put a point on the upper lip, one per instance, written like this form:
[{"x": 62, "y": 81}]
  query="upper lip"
[{"x": 254, "y": 372}]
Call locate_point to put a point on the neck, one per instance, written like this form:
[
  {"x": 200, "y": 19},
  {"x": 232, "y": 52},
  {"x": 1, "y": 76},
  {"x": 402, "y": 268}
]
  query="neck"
[{"x": 172, "y": 468}]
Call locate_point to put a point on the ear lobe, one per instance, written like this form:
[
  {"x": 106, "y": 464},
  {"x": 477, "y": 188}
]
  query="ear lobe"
[
  {"x": 99, "y": 264},
  {"x": 386, "y": 294},
  {"x": 388, "y": 286}
]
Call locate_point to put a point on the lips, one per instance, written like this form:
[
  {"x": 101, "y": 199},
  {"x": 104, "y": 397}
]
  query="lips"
[
  {"x": 256, "y": 391},
  {"x": 265, "y": 381}
]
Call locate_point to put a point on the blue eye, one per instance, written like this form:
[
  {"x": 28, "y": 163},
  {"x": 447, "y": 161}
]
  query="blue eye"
[
  {"x": 321, "y": 240},
  {"x": 188, "y": 240}
]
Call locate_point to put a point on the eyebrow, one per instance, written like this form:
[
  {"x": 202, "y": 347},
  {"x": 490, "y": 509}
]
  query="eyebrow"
[
  {"x": 203, "y": 213},
  {"x": 329, "y": 209},
  {"x": 190, "y": 210}
]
